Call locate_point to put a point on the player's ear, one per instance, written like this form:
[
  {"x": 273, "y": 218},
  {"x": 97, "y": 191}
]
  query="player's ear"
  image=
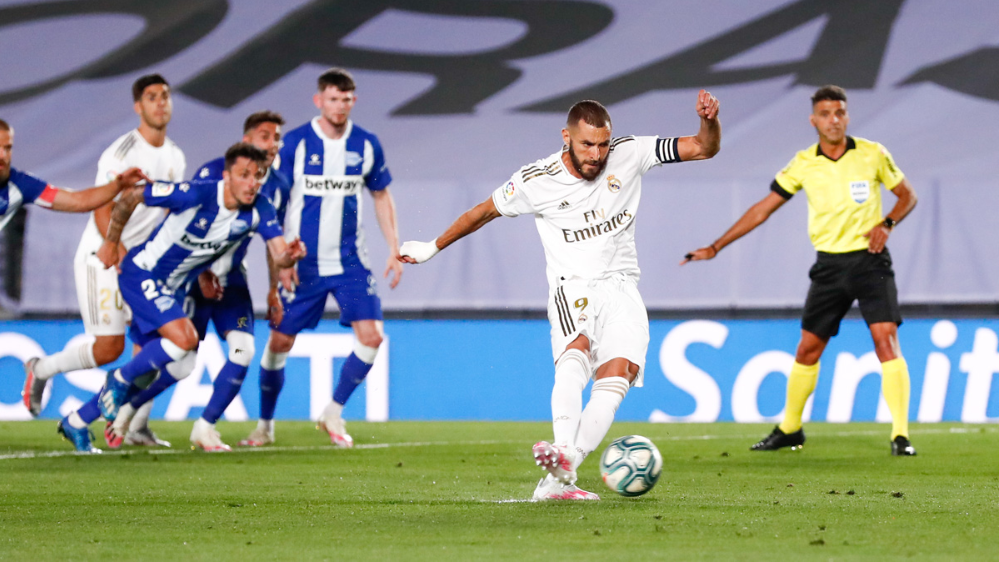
[
  {"x": 565, "y": 137},
  {"x": 318, "y": 100},
  {"x": 137, "y": 107}
]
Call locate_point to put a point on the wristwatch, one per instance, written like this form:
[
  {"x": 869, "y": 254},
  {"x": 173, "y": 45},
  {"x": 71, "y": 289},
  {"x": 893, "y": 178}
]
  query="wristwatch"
[{"x": 889, "y": 223}]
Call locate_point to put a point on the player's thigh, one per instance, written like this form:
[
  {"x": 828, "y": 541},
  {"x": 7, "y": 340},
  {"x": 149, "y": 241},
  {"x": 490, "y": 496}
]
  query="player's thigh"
[
  {"x": 357, "y": 298},
  {"x": 622, "y": 327},
  {"x": 102, "y": 307},
  {"x": 234, "y": 311},
  {"x": 828, "y": 299},
  {"x": 304, "y": 308},
  {"x": 571, "y": 307},
  {"x": 874, "y": 286}
]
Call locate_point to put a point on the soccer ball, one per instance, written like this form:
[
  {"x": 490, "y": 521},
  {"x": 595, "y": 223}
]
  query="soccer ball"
[{"x": 631, "y": 465}]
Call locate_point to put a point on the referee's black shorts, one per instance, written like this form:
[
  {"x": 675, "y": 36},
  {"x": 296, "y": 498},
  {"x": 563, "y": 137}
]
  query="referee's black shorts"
[{"x": 839, "y": 279}]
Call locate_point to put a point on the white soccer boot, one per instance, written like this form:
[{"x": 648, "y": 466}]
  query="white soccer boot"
[
  {"x": 557, "y": 460},
  {"x": 549, "y": 488},
  {"x": 205, "y": 437},
  {"x": 332, "y": 422},
  {"x": 262, "y": 435}
]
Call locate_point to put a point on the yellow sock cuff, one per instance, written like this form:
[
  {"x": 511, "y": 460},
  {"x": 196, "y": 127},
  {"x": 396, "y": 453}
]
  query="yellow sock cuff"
[
  {"x": 810, "y": 370},
  {"x": 894, "y": 366}
]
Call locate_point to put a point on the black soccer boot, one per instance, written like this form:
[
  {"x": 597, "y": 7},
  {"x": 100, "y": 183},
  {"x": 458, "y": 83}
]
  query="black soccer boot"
[
  {"x": 778, "y": 440},
  {"x": 901, "y": 447}
]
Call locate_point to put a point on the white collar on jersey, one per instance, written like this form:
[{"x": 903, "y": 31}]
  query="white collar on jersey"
[{"x": 322, "y": 135}]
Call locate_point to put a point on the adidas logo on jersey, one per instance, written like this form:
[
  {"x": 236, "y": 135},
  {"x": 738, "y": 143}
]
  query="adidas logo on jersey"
[{"x": 564, "y": 205}]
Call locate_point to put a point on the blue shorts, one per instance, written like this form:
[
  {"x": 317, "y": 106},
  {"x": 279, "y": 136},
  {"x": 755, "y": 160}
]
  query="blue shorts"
[
  {"x": 355, "y": 294},
  {"x": 233, "y": 312},
  {"x": 152, "y": 304}
]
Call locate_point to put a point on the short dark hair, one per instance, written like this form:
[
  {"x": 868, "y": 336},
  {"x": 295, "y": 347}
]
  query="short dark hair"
[
  {"x": 591, "y": 112},
  {"x": 829, "y": 92},
  {"x": 244, "y": 150},
  {"x": 140, "y": 85},
  {"x": 4, "y": 126},
  {"x": 261, "y": 117},
  {"x": 337, "y": 77}
]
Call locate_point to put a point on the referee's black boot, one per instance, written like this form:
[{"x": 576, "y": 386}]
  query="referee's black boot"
[
  {"x": 901, "y": 447},
  {"x": 778, "y": 440}
]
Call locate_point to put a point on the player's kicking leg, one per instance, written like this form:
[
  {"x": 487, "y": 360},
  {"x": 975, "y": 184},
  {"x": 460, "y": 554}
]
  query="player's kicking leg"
[{"x": 368, "y": 337}]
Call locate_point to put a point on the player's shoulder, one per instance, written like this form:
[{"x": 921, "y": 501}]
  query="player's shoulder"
[
  {"x": 360, "y": 131},
  {"x": 549, "y": 167},
  {"x": 175, "y": 148},
  {"x": 121, "y": 147},
  {"x": 620, "y": 143},
  {"x": 867, "y": 146},
  {"x": 279, "y": 178},
  {"x": 806, "y": 155},
  {"x": 211, "y": 169},
  {"x": 295, "y": 135}
]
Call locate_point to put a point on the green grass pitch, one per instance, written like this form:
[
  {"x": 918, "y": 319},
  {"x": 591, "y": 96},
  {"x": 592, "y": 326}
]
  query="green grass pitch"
[{"x": 455, "y": 491}]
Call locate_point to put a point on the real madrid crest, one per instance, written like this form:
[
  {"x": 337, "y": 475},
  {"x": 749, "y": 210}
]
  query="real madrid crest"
[{"x": 613, "y": 184}]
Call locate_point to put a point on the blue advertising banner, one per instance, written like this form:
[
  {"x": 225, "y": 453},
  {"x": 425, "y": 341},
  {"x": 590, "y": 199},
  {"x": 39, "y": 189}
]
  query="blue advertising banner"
[{"x": 696, "y": 371}]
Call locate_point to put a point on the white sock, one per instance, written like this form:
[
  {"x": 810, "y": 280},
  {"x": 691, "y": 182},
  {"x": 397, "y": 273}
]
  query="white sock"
[
  {"x": 265, "y": 425},
  {"x": 572, "y": 372},
  {"x": 69, "y": 359},
  {"x": 141, "y": 418},
  {"x": 76, "y": 421},
  {"x": 332, "y": 411},
  {"x": 121, "y": 421},
  {"x": 605, "y": 397}
]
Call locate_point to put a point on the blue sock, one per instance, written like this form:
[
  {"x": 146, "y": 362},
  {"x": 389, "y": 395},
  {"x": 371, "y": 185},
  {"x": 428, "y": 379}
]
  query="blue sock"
[
  {"x": 152, "y": 358},
  {"x": 352, "y": 374},
  {"x": 162, "y": 382},
  {"x": 271, "y": 383},
  {"x": 90, "y": 411},
  {"x": 227, "y": 385}
]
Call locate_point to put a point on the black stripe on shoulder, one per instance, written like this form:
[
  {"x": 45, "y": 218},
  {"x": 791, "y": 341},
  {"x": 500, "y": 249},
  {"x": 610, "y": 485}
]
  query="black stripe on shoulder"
[
  {"x": 620, "y": 140},
  {"x": 776, "y": 188},
  {"x": 125, "y": 146},
  {"x": 528, "y": 178}
]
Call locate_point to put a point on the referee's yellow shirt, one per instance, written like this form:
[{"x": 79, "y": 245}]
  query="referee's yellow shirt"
[{"x": 844, "y": 196}]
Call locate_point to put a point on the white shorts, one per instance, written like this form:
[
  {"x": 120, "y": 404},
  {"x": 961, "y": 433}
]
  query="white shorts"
[
  {"x": 609, "y": 312},
  {"x": 103, "y": 309}
]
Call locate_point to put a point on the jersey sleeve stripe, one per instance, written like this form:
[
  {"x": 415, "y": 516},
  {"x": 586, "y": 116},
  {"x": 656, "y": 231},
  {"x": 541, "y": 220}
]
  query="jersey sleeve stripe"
[{"x": 776, "y": 188}]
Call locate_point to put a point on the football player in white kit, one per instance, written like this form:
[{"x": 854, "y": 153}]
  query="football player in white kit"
[
  {"x": 585, "y": 199},
  {"x": 104, "y": 313}
]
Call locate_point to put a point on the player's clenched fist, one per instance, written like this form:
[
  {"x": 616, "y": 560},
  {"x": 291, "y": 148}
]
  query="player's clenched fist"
[
  {"x": 707, "y": 105},
  {"x": 418, "y": 252}
]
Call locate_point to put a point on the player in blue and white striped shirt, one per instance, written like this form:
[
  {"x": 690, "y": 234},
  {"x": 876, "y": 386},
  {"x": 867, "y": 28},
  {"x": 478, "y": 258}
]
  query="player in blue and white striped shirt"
[
  {"x": 18, "y": 188},
  {"x": 206, "y": 219},
  {"x": 331, "y": 161}
]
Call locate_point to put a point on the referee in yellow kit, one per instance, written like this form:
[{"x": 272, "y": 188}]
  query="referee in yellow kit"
[{"x": 842, "y": 177}]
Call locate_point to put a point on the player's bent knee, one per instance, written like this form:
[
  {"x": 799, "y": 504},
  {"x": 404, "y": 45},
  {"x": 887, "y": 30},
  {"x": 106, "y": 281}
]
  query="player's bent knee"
[
  {"x": 181, "y": 369},
  {"x": 280, "y": 343},
  {"x": 272, "y": 361},
  {"x": 574, "y": 355},
  {"x": 366, "y": 353},
  {"x": 108, "y": 348},
  {"x": 241, "y": 348}
]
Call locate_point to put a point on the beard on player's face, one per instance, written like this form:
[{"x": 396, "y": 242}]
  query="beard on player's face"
[{"x": 595, "y": 167}]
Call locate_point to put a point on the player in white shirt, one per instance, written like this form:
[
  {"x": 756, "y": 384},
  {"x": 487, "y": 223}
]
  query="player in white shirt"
[
  {"x": 585, "y": 199},
  {"x": 105, "y": 315}
]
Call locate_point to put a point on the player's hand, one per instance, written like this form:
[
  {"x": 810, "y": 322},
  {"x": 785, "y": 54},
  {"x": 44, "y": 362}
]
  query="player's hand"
[
  {"x": 879, "y": 237},
  {"x": 706, "y": 253},
  {"x": 394, "y": 267},
  {"x": 211, "y": 287},
  {"x": 275, "y": 308},
  {"x": 288, "y": 278},
  {"x": 418, "y": 252},
  {"x": 707, "y": 105},
  {"x": 296, "y": 250},
  {"x": 131, "y": 177},
  {"x": 108, "y": 254}
]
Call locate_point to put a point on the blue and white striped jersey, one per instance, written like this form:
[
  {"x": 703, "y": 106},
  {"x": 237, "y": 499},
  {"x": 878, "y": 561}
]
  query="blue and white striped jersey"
[
  {"x": 198, "y": 229},
  {"x": 19, "y": 189},
  {"x": 324, "y": 208},
  {"x": 229, "y": 267}
]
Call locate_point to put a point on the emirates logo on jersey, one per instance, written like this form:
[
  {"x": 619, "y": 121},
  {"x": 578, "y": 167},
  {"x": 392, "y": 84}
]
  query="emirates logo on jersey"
[{"x": 613, "y": 184}]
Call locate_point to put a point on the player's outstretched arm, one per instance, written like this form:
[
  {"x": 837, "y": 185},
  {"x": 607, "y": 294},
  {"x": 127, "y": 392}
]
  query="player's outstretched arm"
[
  {"x": 472, "y": 220},
  {"x": 87, "y": 200},
  {"x": 754, "y": 217},
  {"x": 129, "y": 200},
  {"x": 903, "y": 206},
  {"x": 286, "y": 254},
  {"x": 707, "y": 142},
  {"x": 385, "y": 213}
]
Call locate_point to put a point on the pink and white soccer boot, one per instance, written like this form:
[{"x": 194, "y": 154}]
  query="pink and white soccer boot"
[
  {"x": 556, "y": 460},
  {"x": 549, "y": 488}
]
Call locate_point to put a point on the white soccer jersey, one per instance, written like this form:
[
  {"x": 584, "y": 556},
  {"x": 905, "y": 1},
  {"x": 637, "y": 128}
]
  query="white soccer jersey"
[
  {"x": 163, "y": 163},
  {"x": 586, "y": 227}
]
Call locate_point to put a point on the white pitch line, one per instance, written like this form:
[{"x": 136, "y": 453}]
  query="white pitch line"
[{"x": 18, "y": 455}]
